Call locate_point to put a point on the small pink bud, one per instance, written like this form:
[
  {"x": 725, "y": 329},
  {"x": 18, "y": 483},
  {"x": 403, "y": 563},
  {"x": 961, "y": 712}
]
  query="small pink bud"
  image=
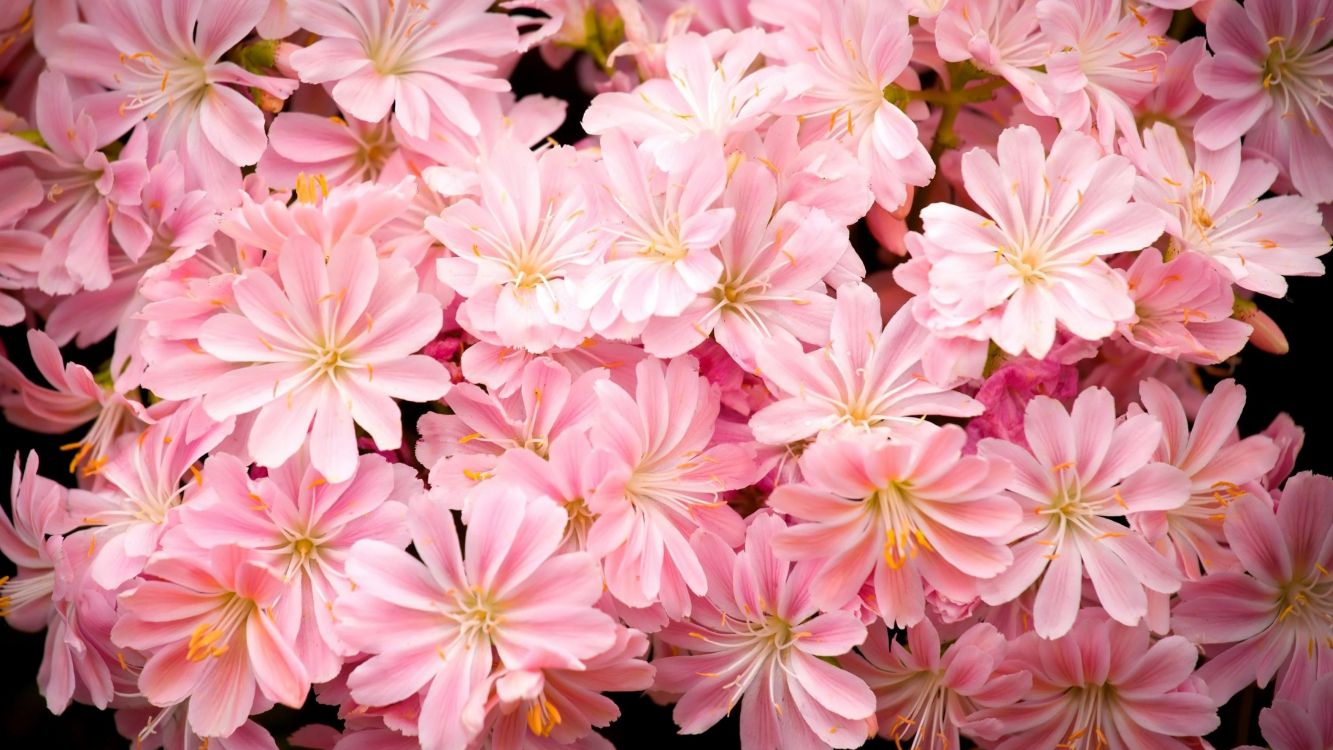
[
  {"x": 1266, "y": 335},
  {"x": 889, "y": 231}
]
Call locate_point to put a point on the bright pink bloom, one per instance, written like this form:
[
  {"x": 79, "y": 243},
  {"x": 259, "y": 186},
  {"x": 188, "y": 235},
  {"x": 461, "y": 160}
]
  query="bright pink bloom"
[
  {"x": 1035, "y": 262},
  {"x": 774, "y": 261},
  {"x": 665, "y": 224},
  {"x": 1214, "y": 208},
  {"x": 902, "y": 513},
  {"x": 928, "y": 693},
  {"x": 1104, "y": 685},
  {"x": 868, "y": 377},
  {"x": 1182, "y": 309},
  {"x": 1007, "y": 391},
  {"x": 1081, "y": 470},
  {"x": 442, "y": 627},
  {"x": 144, "y": 489},
  {"x": 758, "y": 639},
  {"x": 1278, "y": 615},
  {"x": 1270, "y": 68},
  {"x": 207, "y": 620},
  {"x": 660, "y": 478},
  {"x": 518, "y": 251},
  {"x": 411, "y": 56},
  {"x": 324, "y": 340},
  {"x": 1220, "y": 469},
  {"x": 39, "y": 509},
  {"x": 163, "y": 63},
  {"x": 304, "y": 527}
]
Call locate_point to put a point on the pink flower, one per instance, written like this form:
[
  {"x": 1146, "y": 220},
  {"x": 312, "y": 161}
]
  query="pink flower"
[
  {"x": 1182, "y": 309},
  {"x": 665, "y": 225},
  {"x": 324, "y": 340},
  {"x": 345, "y": 151},
  {"x": 1175, "y": 99},
  {"x": 442, "y": 627},
  {"x": 901, "y": 513},
  {"x": 1035, "y": 262},
  {"x": 928, "y": 693},
  {"x": 1008, "y": 390},
  {"x": 207, "y": 621},
  {"x": 867, "y": 378},
  {"x": 39, "y": 509},
  {"x": 1300, "y": 724},
  {"x": 143, "y": 490},
  {"x": 1270, "y": 70},
  {"x": 842, "y": 55},
  {"x": 759, "y": 640},
  {"x": 411, "y": 56},
  {"x": 711, "y": 86},
  {"x": 658, "y": 478},
  {"x": 1104, "y": 685},
  {"x": 518, "y": 252},
  {"x": 821, "y": 175},
  {"x": 304, "y": 527},
  {"x": 1220, "y": 469},
  {"x": 1214, "y": 208},
  {"x": 1278, "y": 615},
  {"x": 774, "y": 261},
  {"x": 999, "y": 36},
  {"x": 162, "y": 63},
  {"x": 1081, "y": 470}
]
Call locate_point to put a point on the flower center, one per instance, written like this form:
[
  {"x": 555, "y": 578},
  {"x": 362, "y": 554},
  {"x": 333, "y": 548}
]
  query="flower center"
[
  {"x": 903, "y": 539},
  {"x": 478, "y": 617}
]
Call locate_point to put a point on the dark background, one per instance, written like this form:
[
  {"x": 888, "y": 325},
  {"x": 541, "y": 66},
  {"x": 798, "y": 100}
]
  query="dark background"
[{"x": 1293, "y": 383}]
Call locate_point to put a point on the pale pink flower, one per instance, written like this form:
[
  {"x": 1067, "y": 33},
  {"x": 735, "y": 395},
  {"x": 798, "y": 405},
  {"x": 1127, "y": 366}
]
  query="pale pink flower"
[
  {"x": 1175, "y": 99},
  {"x": 1083, "y": 469},
  {"x": 517, "y": 252},
  {"x": 563, "y": 473},
  {"x": 774, "y": 260},
  {"x": 442, "y": 627},
  {"x": 1220, "y": 468},
  {"x": 842, "y": 55},
  {"x": 1182, "y": 309},
  {"x": 500, "y": 368},
  {"x": 1270, "y": 70},
  {"x": 1214, "y": 207},
  {"x": 1305, "y": 723},
  {"x": 1035, "y": 262},
  {"x": 411, "y": 56},
  {"x": 20, "y": 250},
  {"x": 665, "y": 225},
  {"x": 926, "y": 692},
  {"x": 1104, "y": 685},
  {"x": 344, "y": 151},
  {"x": 711, "y": 86},
  {"x": 169, "y": 729},
  {"x": 758, "y": 639},
  {"x": 205, "y": 618},
  {"x": 163, "y": 63},
  {"x": 1278, "y": 615},
  {"x": 39, "y": 509},
  {"x": 902, "y": 513},
  {"x": 1289, "y": 438},
  {"x": 143, "y": 490},
  {"x": 868, "y": 377},
  {"x": 1103, "y": 60},
  {"x": 659, "y": 478},
  {"x": 302, "y": 526},
  {"x": 998, "y": 36},
  {"x": 822, "y": 175},
  {"x": 321, "y": 344}
]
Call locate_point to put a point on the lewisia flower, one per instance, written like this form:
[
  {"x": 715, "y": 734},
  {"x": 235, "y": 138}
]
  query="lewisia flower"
[
  {"x": 163, "y": 64},
  {"x": 1081, "y": 470},
  {"x": 1299, "y": 724},
  {"x": 343, "y": 150},
  {"x": 413, "y": 56},
  {"x": 1182, "y": 309},
  {"x": 1270, "y": 69},
  {"x": 1104, "y": 685},
  {"x": 902, "y": 513},
  {"x": 40, "y": 509},
  {"x": 518, "y": 251},
  {"x": 441, "y": 628},
  {"x": 321, "y": 344},
  {"x": 926, "y": 692},
  {"x": 868, "y": 378},
  {"x": 1277, "y": 612},
  {"x": 1035, "y": 262},
  {"x": 659, "y": 478},
  {"x": 759, "y": 640},
  {"x": 1214, "y": 207},
  {"x": 998, "y": 36},
  {"x": 206, "y": 620}
]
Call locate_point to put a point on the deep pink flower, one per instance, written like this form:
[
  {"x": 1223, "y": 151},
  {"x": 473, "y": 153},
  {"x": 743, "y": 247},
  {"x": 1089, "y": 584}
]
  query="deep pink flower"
[
  {"x": 758, "y": 639},
  {"x": 1278, "y": 615},
  {"x": 1082, "y": 469},
  {"x": 207, "y": 620},
  {"x": 411, "y": 56},
  {"x": 1182, "y": 309},
  {"x": 1007, "y": 391},
  {"x": 443, "y": 627}
]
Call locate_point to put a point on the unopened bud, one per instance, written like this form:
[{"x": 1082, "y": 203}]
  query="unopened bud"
[{"x": 1265, "y": 333}]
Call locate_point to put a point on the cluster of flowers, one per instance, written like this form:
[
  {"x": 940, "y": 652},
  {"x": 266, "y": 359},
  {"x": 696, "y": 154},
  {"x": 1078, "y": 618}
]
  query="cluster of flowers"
[{"x": 666, "y": 435}]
